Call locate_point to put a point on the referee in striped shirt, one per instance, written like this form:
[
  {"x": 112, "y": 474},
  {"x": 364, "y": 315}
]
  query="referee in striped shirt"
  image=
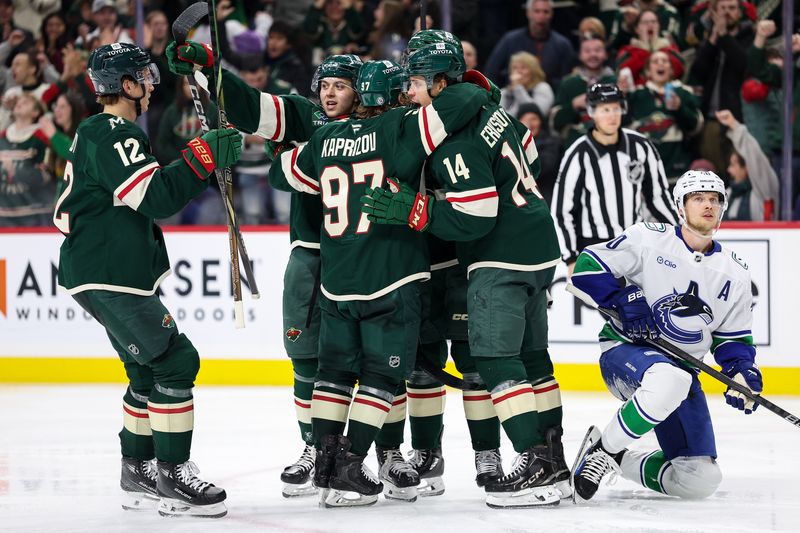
[{"x": 609, "y": 179}]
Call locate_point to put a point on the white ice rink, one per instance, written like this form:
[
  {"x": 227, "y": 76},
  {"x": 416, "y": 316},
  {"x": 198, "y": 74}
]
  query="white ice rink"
[{"x": 59, "y": 471}]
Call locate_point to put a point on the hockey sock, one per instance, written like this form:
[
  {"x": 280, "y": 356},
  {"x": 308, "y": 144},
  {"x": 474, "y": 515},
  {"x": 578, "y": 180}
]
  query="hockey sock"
[
  {"x": 391, "y": 434},
  {"x": 685, "y": 477},
  {"x": 305, "y": 372},
  {"x": 513, "y": 399},
  {"x": 484, "y": 426},
  {"x": 330, "y": 403},
  {"x": 548, "y": 402},
  {"x": 645, "y": 467},
  {"x": 136, "y": 437},
  {"x": 426, "y": 400},
  {"x": 171, "y": 413},
  {"x": 370, "y": 409}
]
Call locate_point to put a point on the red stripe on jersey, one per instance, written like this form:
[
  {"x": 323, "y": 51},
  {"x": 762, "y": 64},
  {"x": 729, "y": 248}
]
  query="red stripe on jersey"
[
  {"x": 399, "y": 402},
  {"x": 297, "y": 175},
  {"x": 277, "y": 103},
  {"x": 376, "y": 405},
  {"x": 530, "y": 138},
  {"x": 546, "y": 389},
  {"x": 330, "y": 399},
  {"x": 481, "y": 398},
  {"x": 134, "y": 413},
  {"x": 427, "y": 394},
  {"x": 132, "y": 185},
  {"x": 303, "y": 405},
  {"x": 511, "y": 395},
  {"x": 428, "y": 139},
  {"x": 473, "y": 198},
  {"x": 168, "y": 411}
]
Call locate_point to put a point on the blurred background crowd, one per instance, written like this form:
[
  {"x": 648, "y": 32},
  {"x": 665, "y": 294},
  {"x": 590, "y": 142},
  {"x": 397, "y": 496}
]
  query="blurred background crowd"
[{"x": 703, "y": 80}]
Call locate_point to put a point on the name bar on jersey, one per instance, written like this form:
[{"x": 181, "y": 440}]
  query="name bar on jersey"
[{"x": 341, "y": 147}]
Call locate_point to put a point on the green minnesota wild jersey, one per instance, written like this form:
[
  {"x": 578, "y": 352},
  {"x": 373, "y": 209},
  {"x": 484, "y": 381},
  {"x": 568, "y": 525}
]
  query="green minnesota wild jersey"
[
  {"x": 113, "y": 190},
  {"x": 362, "y": 260},
  {"x": 288, "y": 119},
  {"x": 489, "y": 202},
  {"x": 25, "y": 188}
]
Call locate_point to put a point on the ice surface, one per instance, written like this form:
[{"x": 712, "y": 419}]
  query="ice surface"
[{"x": 59, "y": 471}]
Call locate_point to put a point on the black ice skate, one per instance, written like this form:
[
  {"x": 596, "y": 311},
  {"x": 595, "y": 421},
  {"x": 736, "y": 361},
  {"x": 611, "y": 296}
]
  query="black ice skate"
[
  {"x": 326, "y": 458},
  {"x": 592, "y": 464},
  {"x": 297, "y": 476},
  {"x": 529, "y": 484},
  {"x": 138, "y": 482},
  {"x": 352, "y": 484},
  {"x": 184, "y": 494},
  {"x": 429, "y": 464},
  {"x": 552, "y": 437},
  {"x": 489, "y": 467},
  {"x": 399, "y": 478}
]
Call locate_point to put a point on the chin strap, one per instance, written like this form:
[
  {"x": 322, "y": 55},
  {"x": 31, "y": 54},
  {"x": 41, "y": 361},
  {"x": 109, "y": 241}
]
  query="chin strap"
[
  {"x": 709, "y": 236},
  {"x": 136, "y": 101}
]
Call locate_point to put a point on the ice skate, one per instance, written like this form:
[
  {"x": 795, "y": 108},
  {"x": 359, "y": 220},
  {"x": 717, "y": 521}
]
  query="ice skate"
[
  {"x": 489, "y": 467},
  {"x": 400, "y": 479},
  {"x": 529, "y": 484},
  {"x": 138, "y": 482},
  {"x": 352, "y": 483},
  {"x": 563, "y": 477},
  {"x": 297, "y": 477},
  {"x": 592, "y": 464},
  {"x": 184, "y": 494},
  {"x": 429, "y": 464}
]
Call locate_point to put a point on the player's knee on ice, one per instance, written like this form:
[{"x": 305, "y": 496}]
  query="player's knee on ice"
[
  {"x": 663, "y": 388},
  {"x": 692, "y": 478}
]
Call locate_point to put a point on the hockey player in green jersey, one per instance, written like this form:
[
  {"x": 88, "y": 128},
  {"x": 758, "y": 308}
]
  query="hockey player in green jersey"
[
  {"x": 370, "y": 298},
  {"x": 114, "y": 258},
  {"x": 491, "y": 207},
  {"x": 285, "y": 120}
]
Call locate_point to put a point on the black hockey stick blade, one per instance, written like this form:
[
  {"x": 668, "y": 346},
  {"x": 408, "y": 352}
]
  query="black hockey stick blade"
[
  {"x": 676, "y": 352},
  {"x": 445, "y": 377},
  {"x": 187, "y": 20}
]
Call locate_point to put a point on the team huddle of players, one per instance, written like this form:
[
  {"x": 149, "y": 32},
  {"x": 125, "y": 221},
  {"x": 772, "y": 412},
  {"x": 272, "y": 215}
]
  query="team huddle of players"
[{"x": 407, "y": 174}]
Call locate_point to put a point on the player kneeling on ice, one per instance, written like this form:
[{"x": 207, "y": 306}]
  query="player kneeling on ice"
[
  {"x": 684, "y": 287},
  {"x": 114, "y": 258}
]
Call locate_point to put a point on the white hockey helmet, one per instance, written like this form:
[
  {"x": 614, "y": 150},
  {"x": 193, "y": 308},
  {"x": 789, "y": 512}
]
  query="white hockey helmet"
[{"x": 698, "y": 181}]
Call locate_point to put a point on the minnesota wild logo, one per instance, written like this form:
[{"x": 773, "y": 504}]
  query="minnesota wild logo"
[
  {"x": 293, "y": 334},
  {"x": 167, "y": 322}
]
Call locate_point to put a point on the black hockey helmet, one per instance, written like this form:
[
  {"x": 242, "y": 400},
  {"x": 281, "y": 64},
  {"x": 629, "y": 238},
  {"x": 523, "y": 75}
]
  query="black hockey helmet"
[
  {"x": 605, "y": 93},
  {"x": 112, "y": 62}
]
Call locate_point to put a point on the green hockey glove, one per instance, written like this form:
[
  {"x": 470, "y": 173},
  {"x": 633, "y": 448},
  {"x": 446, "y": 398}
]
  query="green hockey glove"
[
  {"x": 272, "y": 149},
  {"x": 216, "y": 149},
  {"x": 400, "y": 205},
  {"x": 186, "y": 58}
]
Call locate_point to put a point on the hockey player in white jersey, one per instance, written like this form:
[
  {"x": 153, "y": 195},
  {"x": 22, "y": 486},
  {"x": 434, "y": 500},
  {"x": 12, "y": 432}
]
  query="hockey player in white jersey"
[{"x": 683, "y": 286}]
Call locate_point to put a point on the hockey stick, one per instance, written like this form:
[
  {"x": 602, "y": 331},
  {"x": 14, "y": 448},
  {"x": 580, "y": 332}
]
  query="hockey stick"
[
  {"x": 180, "y": 30},
  {"x": 448, "y": 379},
  {"x": 674, "y": 351}
]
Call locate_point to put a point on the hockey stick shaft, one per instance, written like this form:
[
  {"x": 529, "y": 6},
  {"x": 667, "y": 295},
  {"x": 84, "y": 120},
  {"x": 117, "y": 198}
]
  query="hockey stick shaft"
[
  {"x": 678, "y": 353},
  {"x": 448, "y": 379}
]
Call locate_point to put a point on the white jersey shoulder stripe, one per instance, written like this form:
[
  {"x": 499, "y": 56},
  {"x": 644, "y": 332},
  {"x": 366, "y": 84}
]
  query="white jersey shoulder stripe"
[
  {"x": 296, "y": 177},
  {"x": 133, "y": 190},
  {"x": 272, "y": 120},
  {"x": 529, "y": 145},
  {"x": 431, "y": 128}
]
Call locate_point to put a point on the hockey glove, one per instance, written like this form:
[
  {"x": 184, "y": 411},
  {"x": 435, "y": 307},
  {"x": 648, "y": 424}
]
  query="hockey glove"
[
  {"x": 216, "y": 149},
  {"x": 273, "y": 148},
  {"x": 743, "y": 372},
  {"x": 476, "y": 77},
  {"x": 635, "y": 314},
  {"x": 400, "y": 205},
  {"x": 186, "y": 58}
]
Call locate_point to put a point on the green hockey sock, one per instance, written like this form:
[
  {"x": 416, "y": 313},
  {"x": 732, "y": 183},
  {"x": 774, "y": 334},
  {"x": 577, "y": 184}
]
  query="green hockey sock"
[
  {"x": 369, "y": 411},
  {"x": 136, "y": 437},
  {"x": 391, "y": 434},
  {"x": 305, "y": 371},
  {"x": 172, "y": 421},
  {"x": 329, "y": 408},
  {"x": 426, "y": 414}
]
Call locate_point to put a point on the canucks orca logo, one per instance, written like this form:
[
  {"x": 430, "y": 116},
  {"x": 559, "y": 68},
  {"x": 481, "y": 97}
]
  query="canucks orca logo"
[{"x": 670, "y": 311}]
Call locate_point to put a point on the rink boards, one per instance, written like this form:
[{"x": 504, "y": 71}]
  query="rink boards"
[{"x": 46, "y": 337}]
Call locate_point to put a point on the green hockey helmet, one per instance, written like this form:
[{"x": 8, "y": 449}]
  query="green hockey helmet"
[
  {"x": 109, "y": 64},
  {"x": 380, "y": 83},
  {"x": 437, "y": 58},
  {"x": 426, "y": 37},
  {"x": 339, "y": 66}
]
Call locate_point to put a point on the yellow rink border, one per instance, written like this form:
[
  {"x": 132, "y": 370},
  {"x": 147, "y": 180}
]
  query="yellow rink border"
[{"x": 571, "y": 376}]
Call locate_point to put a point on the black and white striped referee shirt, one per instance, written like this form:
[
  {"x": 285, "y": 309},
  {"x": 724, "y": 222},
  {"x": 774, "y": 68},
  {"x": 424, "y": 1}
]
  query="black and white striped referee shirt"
[{"x": 601, "y": 190}]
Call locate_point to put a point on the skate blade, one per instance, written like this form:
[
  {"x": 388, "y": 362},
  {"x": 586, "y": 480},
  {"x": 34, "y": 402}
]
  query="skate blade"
[
  {"x": 403, "y": 494},
  {"x": 292, "y": 490},
  {"x": 172, "y": 508},
  {"x": 139, "y": 501},
  {"x": 564, "y": 488},
  {"x": 546, "y": 496},
  {"x": 593, "y": 434},
  {"x": 345, "y": 498},
  {"x": 433, "y": 486}
]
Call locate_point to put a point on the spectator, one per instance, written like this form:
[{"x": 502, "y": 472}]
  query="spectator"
[
  {"x": 391, "y": 33},
  {"x": 28, "y": 15},
  {"x": 470, "y": 55},
  {"x": 554, "y": 51},
  {"x": 74, "y": 78},
  {"x": 753, "y": 188},
  {"x": 648, "y": 39},
  {"x": 698, "y": 21},
  {"x": 589, "y": 26},
  {"x": 623, "y": 29},
  {"x": 156, "y": 38},
  {"x": 667, "y": 112},
  {"x": 27, "y": 76},
  {"x": 547, "y": 144},
  {"x": 54, "y": 38},
  {"x": 526, "y": 85},
  {"x": 609, "y": 179},
  {"x": 569, "y": 117},
  {"x": 719, "y": 68},
  {"x": 108, "y": 30},
  {"x": 26, "y": 189},
  {"x": 68, "y": 111},
  {"x": 334, "y": 27}
]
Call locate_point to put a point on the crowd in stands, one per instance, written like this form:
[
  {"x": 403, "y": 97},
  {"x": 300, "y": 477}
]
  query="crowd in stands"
[{"x": 703, "y": 81}]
